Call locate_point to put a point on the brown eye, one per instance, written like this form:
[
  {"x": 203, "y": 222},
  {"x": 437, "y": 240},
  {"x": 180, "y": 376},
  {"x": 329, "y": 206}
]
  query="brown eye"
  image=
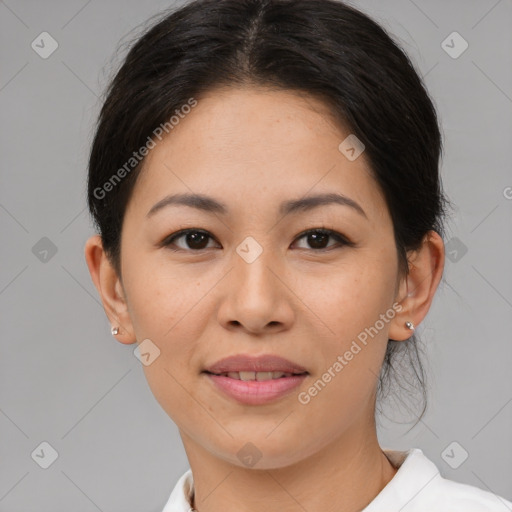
[
  {"x": 195, "y": 239},
  {"x": 318, "y": 238}
]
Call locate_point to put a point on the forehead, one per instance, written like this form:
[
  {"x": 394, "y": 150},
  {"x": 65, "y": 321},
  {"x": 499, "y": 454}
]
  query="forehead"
[{"x": 253, "y": 147}]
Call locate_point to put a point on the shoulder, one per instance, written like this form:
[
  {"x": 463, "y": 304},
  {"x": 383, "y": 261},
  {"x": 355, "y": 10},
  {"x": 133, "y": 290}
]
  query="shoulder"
[
  {"x": 418, "y": 486},
  {"x": 461, "y": 497},
  {"x": 180, "y": 498}
]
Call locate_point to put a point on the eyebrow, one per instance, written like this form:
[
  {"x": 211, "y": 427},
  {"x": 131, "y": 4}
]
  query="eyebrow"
[{"x": 211, "y": 205}]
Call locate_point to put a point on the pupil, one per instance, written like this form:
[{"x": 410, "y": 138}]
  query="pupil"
[
  {"x": 315, "y": 237},
  {"x": 194, "y": 237}
]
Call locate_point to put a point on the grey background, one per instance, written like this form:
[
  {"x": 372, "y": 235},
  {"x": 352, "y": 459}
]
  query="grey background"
[{"x": 66, "y": 381}]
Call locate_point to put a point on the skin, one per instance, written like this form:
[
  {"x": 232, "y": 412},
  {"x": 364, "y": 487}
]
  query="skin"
[{"x": 252, "y": 148}]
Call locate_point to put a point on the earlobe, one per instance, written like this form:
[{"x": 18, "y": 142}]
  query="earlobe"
[
  {"x": 417, "y": 289},
  {"x": 110, "y": 289}
]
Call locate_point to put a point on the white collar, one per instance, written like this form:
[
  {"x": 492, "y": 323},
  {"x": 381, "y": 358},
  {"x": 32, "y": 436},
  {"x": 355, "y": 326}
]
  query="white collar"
[{"x": 404, "y": 492}]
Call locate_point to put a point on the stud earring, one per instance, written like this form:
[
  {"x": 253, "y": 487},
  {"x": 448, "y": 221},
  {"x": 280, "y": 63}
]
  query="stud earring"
[
  {"x": 114, "y": 331},
  {"x": 409, "y": 325}
]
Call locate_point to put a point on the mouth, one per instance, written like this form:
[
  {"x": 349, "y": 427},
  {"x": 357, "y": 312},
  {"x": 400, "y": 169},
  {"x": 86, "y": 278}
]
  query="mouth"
[
  {"x": 251, "y": 367},
  {"x": 255, "y": 380},
  {"x": 257, "y": 376},
  {"x": 256, "y": 388}
]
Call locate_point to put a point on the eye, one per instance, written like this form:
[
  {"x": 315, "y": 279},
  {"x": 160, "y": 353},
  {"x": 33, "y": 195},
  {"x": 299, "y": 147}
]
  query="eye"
[
  {"x": 318, "y": 236},
  {"x": 195, "y": 238}
]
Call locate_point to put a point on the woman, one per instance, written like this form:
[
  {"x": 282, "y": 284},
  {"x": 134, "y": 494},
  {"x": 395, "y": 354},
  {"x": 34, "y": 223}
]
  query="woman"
[{"x": 265, "y": 183}]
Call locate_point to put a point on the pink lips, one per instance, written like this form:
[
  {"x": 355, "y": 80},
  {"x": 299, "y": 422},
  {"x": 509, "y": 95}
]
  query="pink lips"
[
  {"x": 247, "y": 363},
  {"x": 255, "y": 392}
]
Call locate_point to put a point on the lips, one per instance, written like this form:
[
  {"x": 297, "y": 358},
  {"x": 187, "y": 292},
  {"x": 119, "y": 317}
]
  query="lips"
[
  {"x": 259, "y": 376},
  {"x": 256, "y": 392},
  {"x": 245, "y": 363}
]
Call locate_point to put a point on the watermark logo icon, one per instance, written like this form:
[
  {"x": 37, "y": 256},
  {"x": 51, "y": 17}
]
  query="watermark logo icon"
[
  {"x": 44, "y": 45},
  {"x": 351, "y": 147},
  {"x": 44, "y": 250},
  {"x": 454, "y": 45},
  {"x": 249, "y": 249},
  {"x": 146, "y": 352},
  {"x": 249, "y": 455},
  {"x": 44, "y": 455},
  {"x": 455, "y": 249},
  {"x": 454, "y": 455}
]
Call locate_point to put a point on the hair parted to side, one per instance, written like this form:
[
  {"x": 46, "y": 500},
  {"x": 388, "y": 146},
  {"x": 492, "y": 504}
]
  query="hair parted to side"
[{"x": 322, "y": 48}]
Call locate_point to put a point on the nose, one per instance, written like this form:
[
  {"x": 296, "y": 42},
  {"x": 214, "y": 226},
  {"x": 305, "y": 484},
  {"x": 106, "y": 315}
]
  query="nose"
[{"x": 256, "y": 297}]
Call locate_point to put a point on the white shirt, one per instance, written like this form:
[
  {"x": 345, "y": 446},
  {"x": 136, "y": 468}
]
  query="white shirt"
[{"x": 417, "y": 486}]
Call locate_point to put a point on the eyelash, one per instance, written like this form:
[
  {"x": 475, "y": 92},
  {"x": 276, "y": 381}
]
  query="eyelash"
[{"x": 344, "y": 241}]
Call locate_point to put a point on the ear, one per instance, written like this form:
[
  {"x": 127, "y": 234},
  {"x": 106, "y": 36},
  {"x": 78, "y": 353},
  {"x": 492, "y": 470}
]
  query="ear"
[
  {"x": 417, "y": 289},
  {"x": 110, "y": 288}
]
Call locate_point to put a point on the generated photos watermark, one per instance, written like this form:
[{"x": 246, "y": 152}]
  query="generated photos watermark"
[
  {"x": 138, "y": 156},
  {"x": 305, "y": 397}
]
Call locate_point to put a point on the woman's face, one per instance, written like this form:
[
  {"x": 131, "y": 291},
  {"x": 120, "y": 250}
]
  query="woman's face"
[{"x": 252, "y": 284}]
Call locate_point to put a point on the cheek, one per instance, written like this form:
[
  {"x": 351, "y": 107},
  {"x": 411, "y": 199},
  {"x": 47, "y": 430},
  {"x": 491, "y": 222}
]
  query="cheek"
[
  {"x": 349, "y": 352},
  {"x": 163, "y": 308},
  {"x": 166, "y": 309},
  {"x": 162, "y": 299},
  {"x": 347, "y": 298},
  {"x": 347, "y": 323}
]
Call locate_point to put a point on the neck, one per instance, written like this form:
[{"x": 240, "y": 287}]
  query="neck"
[{"x": 343, "y": 476}]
